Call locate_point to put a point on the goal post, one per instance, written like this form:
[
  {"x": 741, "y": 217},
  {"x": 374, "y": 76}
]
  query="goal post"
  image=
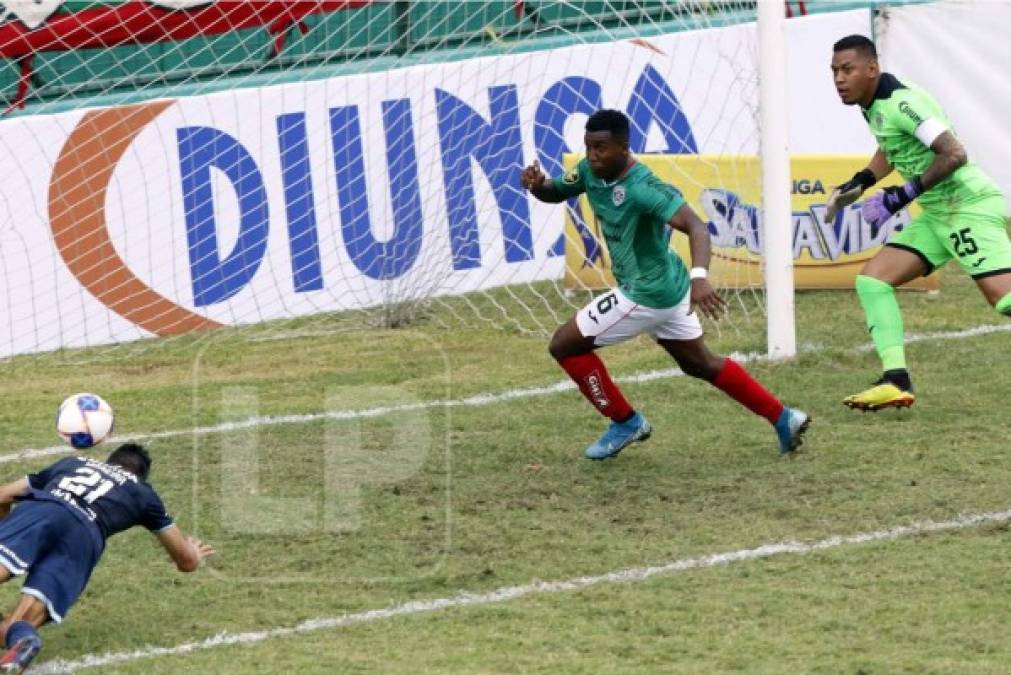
[{"x": 777, "y": 211}]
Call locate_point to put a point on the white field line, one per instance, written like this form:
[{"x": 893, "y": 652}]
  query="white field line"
[
  {"x": 466, "y": 599},
  {"x": 470, "y": 401},
  {"x": 985, "y": 329},
  {"x": 267, "y": 421}
]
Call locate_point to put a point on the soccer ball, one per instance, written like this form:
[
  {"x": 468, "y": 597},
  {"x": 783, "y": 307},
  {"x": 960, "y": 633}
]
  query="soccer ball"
[{"x": 84, "y": 420}]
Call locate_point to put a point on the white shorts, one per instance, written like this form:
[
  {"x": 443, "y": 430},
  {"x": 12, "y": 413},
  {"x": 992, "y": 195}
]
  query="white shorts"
[{"x": 612, "y": 318}]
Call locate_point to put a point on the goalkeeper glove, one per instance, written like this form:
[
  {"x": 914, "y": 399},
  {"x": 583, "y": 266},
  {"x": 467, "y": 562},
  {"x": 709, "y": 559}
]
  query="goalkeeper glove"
[
  {"x": 848, "y": 192},
  {"x": 890, "y": 201}
]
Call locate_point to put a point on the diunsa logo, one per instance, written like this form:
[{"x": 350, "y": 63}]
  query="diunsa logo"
[{"x": 77, "y": 192}]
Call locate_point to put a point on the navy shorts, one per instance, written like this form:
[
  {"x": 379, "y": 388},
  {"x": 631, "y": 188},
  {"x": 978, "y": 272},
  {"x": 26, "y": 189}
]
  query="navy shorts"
[{"x": 46, "y": 540}]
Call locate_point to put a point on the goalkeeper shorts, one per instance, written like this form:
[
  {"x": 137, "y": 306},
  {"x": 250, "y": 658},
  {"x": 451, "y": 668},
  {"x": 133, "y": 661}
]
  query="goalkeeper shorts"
[{"x": 974, "y": 234}]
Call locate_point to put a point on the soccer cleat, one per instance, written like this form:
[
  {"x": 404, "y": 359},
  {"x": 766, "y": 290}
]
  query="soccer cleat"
[
  {"x": 883, "y": 394},
  {"x": 790, "y": 428},
  {"x": 618, "y": 436},
  {"x": 17, "y": 658}
]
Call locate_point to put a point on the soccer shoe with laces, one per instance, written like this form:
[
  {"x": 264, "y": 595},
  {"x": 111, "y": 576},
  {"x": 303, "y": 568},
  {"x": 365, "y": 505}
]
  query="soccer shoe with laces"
[
  {"x": 883, "y": 394},
  {"x": 790, "y": 428},
  {"x": 619, "y": 436},
  {"x": 17, "y": 658}
]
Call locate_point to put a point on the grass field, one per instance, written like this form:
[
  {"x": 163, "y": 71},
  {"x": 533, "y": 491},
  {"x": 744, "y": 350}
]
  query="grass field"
[{"x": 324, "y": 516}]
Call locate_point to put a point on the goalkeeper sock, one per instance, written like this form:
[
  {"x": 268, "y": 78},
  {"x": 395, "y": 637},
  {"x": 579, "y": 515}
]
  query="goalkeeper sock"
[
  {"x": 736, "y": 383},
  {"x": 591, "y": 376},
  {"x": 884, "y": 320},
  {"x": 1004, "y": 305}
]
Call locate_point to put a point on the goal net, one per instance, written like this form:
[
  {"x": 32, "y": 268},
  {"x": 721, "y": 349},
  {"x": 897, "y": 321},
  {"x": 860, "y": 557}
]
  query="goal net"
[{"x": 174, "y": 166}]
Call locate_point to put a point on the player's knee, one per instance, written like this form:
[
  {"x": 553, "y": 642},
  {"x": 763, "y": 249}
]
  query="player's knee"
[
  {"x": 559, "y": 347},
  {"x": 699, "y": 367},
  {"x": 1003, "y": 305}
]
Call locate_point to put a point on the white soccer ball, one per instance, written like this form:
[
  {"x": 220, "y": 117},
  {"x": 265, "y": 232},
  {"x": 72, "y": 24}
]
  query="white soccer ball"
[{"x": 84, "y": 420}]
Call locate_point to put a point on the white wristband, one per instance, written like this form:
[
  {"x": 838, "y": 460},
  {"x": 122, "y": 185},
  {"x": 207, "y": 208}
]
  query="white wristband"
[{"x": 698, "y": 273}]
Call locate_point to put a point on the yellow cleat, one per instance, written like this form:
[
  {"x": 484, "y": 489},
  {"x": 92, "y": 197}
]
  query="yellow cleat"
[{"x": 884, "y": 395}]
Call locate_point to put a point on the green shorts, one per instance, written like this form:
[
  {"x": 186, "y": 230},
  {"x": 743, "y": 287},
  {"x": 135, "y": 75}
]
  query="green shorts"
[{"x": 974, "y": 234}]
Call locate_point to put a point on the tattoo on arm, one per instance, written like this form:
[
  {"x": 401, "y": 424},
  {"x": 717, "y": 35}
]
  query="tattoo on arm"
[{"x": 949, "y": 155}]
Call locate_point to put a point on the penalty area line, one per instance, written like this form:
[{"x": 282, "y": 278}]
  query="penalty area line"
[
  {"x": 488, "y": 398},
  {"x": 509, "y": 593}
]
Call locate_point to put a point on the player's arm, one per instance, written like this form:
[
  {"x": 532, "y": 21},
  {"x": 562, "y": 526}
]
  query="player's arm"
[
  {"x": 186, "y": 552},
  {"x": 949, "y": 156},
  {"x": 851, "y": 190},
  {"x": 9, "y": 494},
  {"x": 703, "y": 295},
  {"x": 540, "y": 186}
]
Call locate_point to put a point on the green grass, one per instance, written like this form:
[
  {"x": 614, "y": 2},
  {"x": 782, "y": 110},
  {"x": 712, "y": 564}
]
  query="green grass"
[{"x": 424, "y": 504}]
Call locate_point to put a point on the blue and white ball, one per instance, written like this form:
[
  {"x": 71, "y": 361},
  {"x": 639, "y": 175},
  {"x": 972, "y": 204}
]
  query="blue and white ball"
[{"x": 84, "y": 420}]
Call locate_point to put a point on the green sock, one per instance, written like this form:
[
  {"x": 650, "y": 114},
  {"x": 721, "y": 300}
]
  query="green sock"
[
  {"x": 1004, "y": 305},
  {"x": 884, "y": 320}
]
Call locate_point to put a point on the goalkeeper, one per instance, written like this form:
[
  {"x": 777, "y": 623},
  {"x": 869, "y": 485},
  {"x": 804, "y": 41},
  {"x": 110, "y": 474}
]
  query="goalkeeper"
[
  {"x": 655, "y": 295},
  {"x": 963, "y": 209}
]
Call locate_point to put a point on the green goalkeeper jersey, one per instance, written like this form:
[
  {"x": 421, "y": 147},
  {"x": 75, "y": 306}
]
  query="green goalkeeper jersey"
[
  {"x": 633, "y": 212},
  {"x": 898, "y": 112}
]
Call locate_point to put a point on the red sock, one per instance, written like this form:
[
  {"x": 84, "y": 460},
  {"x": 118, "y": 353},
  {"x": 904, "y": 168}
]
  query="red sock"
[
  {"x": 590, "y": 374},
  {"x": 743, "y": 388}
]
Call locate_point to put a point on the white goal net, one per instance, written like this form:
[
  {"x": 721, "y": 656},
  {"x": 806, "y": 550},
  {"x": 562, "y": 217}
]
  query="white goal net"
[{"x": 166, "y": 167}]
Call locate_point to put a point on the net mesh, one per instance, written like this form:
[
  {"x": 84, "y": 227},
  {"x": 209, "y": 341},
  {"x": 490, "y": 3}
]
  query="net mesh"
[{"x": 171, "y": 166}]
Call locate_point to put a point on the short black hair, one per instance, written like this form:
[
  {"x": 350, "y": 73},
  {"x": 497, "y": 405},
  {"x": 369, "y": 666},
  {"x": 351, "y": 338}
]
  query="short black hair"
[
  {"x": 614, "y": 121},
  {"x": 861, "y": 43},
  {"x": 132, "y": 457}
]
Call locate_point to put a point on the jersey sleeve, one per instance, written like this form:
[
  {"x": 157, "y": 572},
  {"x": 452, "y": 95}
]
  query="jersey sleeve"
[
  {"x": 915, "y": 112},
  {"x": 659, "y": 199},
  {"x": 154, "y": 516},
  {"x": 38, "y": 481},
  {"x": 573, "y": 183}
]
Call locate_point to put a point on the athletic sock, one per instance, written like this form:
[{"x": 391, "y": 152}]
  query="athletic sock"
[
  {"x": 884, "y": 321},
  {"x": 1004, "y": 305},
  {"x": 18, "y": 630},
  {"x": 736, "y": 383},
  {"x": 591, "y": 376}
]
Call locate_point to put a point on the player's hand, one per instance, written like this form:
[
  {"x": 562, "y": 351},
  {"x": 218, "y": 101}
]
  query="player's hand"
[
  {"x": 532, "y": 176},
  {"x": 890, "y": 201},
  {"x": 841, "y": 197},
  {"x": 704, "y": 297},
  {"x": 204, "y": 551},
  {"x": 847, "y": 193}
]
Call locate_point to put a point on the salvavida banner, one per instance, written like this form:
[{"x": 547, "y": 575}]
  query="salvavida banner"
[{"x": 726, "y": 193}]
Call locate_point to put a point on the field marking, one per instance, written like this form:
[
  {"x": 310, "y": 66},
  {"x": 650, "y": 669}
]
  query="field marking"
[
  {"x": 488, "y": 398},
  {"x": 508, "y": 593},
  {"x": 985, "y": 329}
]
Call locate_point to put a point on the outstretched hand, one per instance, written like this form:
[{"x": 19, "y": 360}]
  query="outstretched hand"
[
  {"x": 704, "y": 297},
  {"x": 532, "y": 176},
  {"x": 203, "y": 550}
]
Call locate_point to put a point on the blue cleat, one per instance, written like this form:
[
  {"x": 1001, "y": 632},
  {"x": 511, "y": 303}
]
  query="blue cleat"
[
  {"x": 618, "y": 436},
  {"x": 790, "y": 428},
  {"x": 17, "y": 658}
]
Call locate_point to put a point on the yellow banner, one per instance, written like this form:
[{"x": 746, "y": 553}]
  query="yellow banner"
[{"x": 725, "y": 192}]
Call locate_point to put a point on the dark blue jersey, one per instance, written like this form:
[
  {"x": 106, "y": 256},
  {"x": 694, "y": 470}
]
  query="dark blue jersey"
[{"x": 106, "y": 497}]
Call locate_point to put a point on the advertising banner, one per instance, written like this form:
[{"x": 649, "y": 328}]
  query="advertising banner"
[{"x": 726, "y": 193}]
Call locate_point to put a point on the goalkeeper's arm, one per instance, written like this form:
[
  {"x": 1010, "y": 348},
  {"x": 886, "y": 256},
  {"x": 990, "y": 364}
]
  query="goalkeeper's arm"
[{"x": 851, "y": 190}]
